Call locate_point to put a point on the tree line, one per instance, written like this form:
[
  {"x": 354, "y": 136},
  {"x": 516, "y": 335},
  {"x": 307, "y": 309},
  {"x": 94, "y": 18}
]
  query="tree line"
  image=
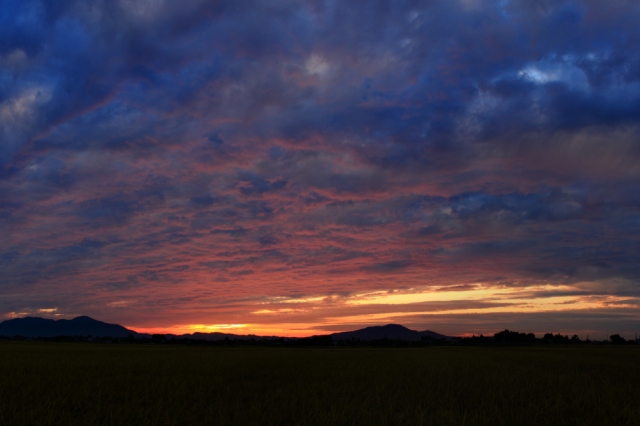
[{"x": 501, "y": 338}]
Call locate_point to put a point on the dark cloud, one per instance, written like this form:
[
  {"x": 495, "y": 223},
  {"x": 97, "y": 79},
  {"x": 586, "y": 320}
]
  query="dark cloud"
[
  {"x": 263, "y": 149},
  {"x": 256, "y": 185},
  {"x": 203, "y": 200},
  {"x": 391, "y": 266},
  {"x": 109, "y": 211}
]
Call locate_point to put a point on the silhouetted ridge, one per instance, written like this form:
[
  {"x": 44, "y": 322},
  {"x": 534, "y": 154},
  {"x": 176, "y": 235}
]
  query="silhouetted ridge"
[
  {"x": 84, "y": 326},
  {"x": 79, "y": 326},
  {"x": 389, "y": 331},
  {"x": 85, "y": 319}
]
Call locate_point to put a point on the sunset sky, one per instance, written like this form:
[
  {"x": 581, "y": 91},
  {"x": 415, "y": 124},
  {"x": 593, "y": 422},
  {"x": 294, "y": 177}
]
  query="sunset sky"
[{"x": 304, "y": 167}]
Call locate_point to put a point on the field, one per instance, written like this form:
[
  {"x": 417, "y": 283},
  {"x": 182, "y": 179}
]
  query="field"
[{"x": 108, "y": 384}]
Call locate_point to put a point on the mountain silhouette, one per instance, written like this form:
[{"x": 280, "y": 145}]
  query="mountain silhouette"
[
  {"x": 80, "y": 326},
  {"x": 389, "y": 331},
  {"x": 86, "y": 326}
]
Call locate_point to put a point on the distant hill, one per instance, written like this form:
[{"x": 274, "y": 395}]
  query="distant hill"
[
  {"x": 86, "y": 326},
  {"x": 80, "y": 326},
  {"x": 389, "y": 331}
]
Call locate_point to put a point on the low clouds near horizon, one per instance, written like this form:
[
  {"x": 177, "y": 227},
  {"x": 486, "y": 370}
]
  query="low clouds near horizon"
[{"x": 303, "y": 166}]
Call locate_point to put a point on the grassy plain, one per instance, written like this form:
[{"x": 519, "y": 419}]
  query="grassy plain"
[{"x": 108, "y": 384}]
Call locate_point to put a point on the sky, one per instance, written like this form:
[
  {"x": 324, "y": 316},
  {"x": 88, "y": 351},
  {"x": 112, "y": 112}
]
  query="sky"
[{"x": 305, "y": 167}]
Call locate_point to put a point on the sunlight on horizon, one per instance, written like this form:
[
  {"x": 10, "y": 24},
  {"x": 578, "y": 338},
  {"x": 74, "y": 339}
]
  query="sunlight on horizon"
[{"x": 326, "y": 314}]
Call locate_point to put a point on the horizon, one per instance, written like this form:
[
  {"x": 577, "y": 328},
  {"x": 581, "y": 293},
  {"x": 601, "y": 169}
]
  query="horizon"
[
  {"x": 295, "y": 168},
  {"x": 238, "y": 331}
]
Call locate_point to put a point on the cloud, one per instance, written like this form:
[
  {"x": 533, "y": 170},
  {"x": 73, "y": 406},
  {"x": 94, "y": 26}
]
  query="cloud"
[{"x": 188, "y": 155}]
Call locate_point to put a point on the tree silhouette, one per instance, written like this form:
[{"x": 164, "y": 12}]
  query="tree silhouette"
[{"x": 616, "y": 339}]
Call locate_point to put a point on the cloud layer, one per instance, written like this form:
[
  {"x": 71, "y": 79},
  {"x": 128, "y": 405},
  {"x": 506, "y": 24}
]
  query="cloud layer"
[{"x": 195, "y": 163}]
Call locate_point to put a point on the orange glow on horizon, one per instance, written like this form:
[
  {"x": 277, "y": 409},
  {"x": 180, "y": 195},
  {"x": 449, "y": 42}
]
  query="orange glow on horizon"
[
  {"x": 245, "y": 329},
  {"x": 316, "y": 315}
]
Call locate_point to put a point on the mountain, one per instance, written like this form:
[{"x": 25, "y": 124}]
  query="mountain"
[
  {"x": 86, "y": 326},
  {"x": 389, "y": 331},
  {"x": 80, "y": 326}
]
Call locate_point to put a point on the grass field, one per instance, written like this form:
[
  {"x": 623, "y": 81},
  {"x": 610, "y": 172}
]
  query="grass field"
[{"x": 101, "y": 384}]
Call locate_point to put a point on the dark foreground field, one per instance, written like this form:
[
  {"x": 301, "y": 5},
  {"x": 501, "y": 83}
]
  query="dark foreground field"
[{"x": 96, "y": 384}]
